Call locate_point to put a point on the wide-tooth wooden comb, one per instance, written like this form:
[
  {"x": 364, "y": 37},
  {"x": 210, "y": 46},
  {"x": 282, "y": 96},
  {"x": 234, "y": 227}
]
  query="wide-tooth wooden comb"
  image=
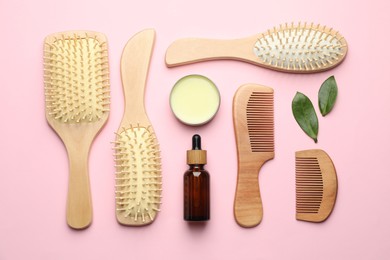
[
  {"x": 253, "y": 117},
  {"x": 137, "y": 155},
  {"x": 77, "y": 87},
  {"x": 316, "y": 185},
  {"x": 299, "y": 48}
]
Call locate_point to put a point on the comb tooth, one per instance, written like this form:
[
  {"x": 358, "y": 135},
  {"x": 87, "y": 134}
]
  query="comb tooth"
[
  {"x": 309, "y": 185},
  {"x": 260, "y": 121}
]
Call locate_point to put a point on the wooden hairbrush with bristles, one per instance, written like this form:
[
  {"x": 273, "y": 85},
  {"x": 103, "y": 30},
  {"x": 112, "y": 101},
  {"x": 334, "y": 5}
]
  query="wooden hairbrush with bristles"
[
  {"x": 253, "y": 117},
  {"x": 316, "y": 185},
  {"x": 296, "y": 48},
  {"x": 77, "y": 87},
  {"x": 137, "y": 156}
]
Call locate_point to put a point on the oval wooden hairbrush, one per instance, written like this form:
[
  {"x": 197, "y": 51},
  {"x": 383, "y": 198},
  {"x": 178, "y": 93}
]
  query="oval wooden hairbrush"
[
  {"x": 77, "y": 87},
  {"x": 300, "y": 48}
]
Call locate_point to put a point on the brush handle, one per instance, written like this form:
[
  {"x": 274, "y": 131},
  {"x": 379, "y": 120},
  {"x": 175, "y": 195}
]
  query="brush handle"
[
  {"x": 135, "y": 63},
  {"x": 79, "y": 202},
  {"x": 248, "y": 208},
  {"x": 191, "y": 50}
]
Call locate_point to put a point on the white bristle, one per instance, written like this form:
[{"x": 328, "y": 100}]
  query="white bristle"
[
  {"x": 138, "y": 173},
  {"x": 76, "y": 78},
  {"x": 300, "y": 47}
]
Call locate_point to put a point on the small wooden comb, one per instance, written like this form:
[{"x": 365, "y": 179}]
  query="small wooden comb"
[
  {"x": 316, "y": 185},
  {"x": 253, "y": 116}
]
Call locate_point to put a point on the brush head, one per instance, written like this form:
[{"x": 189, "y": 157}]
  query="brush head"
[
  {"x": 76, "y": 77},
  {"x": 301, "y": 48},
  {"x": 138, "y": 176},
  {"x": 316, "y": 185}
]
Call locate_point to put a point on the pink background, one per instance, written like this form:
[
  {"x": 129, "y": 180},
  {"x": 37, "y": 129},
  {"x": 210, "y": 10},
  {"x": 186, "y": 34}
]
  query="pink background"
[{"x": 34, "y": 170}]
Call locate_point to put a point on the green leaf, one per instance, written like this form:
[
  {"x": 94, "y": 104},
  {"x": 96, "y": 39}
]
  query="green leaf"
[
  {"x": 305, "y": 115},
  {"x": 327, "y": 95}
]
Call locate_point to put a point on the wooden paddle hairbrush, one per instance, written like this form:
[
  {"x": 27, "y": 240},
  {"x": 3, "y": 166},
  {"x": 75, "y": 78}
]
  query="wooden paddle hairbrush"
[
  {"x": 77, "y": 87},
  {"x": 137, "y": 155},
  {"x": 316, "y": 185},
  {"x": 253, "y": 117},
  {"x": 300, "y": 48}
]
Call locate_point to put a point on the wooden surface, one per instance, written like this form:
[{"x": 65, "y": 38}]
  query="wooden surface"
[
  {"x": 191, "y": 50},
  {"x": 77, "y": 135},
  {"x": 248, "y": 208},
  {"x": 251, "y": 49},
  {"x": 316, "y": 185},
  {"x": 135, "y": 63}
]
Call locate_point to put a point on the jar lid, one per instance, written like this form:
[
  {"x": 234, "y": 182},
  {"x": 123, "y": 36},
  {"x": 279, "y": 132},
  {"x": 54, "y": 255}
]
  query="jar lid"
[{"x": 194, "y": 100}]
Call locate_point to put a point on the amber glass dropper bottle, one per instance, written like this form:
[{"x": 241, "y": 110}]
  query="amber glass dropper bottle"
[{"x": 196, "y": 184}]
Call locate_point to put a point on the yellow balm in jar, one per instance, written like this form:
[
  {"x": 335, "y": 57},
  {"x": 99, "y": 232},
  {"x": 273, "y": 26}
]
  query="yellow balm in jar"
[{"x": 194, "y": 100}]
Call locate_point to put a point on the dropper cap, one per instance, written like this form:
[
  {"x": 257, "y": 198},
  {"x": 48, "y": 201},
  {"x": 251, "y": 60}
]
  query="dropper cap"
[{"x": 196, "y": 155}]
